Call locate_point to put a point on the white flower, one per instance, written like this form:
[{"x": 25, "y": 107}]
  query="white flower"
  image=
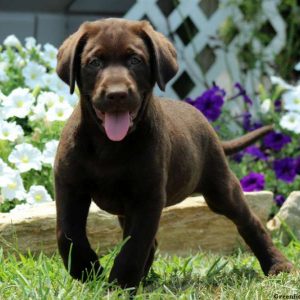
[
  {"x": 61, "y": 87},
  {"x": 20, "y": 208},
  {"x": 33, "y": 74},
  {"x": 48, "y": 79},
  {"x": 2, "y": 116},
  {"x": 4, "y": 56},
  {"x": 18, "y": 103},
  {"x": 19, "y": 61},
  {"x": 59, "y": 112},
  {"x": 297, "y": 66},
  {"x": 49, "y": 55},
  {"x": 48, "y": 99},
  {"x": 291, "y": 121},
  {"x": 38, "y": 194},
  {"x": 71, "y": 99},
  {"x": 39, "y": 112},
  {"x": 50, "y": 152},
  {"x": 12, "y": 41},
  {"x": 291, "y": 99},
  {"x": 30, "y": 43},
  {"x": 279, "y": 81},
  {"x": 14, "y": 188},
  {"x": 265, "y": 106},
  {"x": 26, "y": 157},
  {"x": 10, "y": 131},
  {"x": 5, "y": 171},
  {"x": 2, "y": 97},
  {"x": 55, "y": 84},
  {"x": 3, "y": 75}
]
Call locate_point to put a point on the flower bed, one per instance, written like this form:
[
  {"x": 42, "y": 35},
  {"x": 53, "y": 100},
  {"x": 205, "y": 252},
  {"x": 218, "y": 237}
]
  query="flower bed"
[
  {"x": 35, "y": 103},
  {"x": 274, "y": 162}
]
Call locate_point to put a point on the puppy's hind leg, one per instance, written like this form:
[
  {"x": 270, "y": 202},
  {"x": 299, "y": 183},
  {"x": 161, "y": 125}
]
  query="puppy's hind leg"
[{"x": 223, "y": 194}]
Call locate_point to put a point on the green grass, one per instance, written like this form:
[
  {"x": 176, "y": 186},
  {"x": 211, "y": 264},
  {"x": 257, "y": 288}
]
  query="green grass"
[{"x": 202, "y": 276}]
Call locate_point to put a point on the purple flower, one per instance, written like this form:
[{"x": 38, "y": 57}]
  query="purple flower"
[
  {"x": 247, "y": 121},
  {"x": 242, "y": 92},
  {"x": 256, "y": 125},
  {"x": 297, "y": 165},
  {"x": 253, "y": 182},
  {"x": 279, "y": 200},
  {"x": 285, "y": 169},
  {"x": 256, "y": 152},
  {"x": 210, "y": 103},
  {"x": 278, "y": 105},
  {"x": 276, "y": 140},
  {"x": 237, "y": 157},
  {"x": 189, "y": 101}
]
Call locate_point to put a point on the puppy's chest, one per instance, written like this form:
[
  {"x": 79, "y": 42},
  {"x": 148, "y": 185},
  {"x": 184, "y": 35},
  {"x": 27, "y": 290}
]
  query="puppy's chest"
[
  {"x": 110, "y": 188},
  {"x": 112, "y": 205},
  {"x": 115, "y": 180}
]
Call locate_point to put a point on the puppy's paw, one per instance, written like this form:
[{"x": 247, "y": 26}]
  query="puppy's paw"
[
  {"x": 86, "y": 272},
  {"x": 279, "y": 267},
  {"x": 151, "y": 278}
]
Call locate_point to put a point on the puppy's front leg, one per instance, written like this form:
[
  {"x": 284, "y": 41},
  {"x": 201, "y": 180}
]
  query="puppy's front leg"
[
  {"x": 72, "y": 206},
  {"x": 141, "y": 225}
]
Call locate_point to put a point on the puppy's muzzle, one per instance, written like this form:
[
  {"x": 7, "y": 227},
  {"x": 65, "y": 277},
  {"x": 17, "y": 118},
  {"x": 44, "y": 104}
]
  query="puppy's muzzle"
[
  {"x": 119, "y": 96},
  {"x": 116, "y": 99},
  {"x": 116, "y": 107}
]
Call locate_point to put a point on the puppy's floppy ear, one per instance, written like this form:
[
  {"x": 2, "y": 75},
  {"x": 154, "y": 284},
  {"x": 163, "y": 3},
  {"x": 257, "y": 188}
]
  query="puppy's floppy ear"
[
  {"x": 165, "y": 58},
  {"x": 68, "y": 57}
]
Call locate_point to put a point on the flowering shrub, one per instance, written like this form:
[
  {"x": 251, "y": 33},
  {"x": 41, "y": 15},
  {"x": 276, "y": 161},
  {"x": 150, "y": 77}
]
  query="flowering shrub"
[
  {"x": 210, "y": 103},
  {"x": 274, "y": 162},
  {"x": 34, "y": 104}
]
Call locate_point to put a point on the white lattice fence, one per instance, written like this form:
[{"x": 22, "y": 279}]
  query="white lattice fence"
[{"x": 193, "y": 27}]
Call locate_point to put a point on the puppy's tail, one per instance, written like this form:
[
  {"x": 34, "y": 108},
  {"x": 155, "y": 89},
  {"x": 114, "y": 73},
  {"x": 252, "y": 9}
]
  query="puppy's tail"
[{"x": 234, "y": 146}]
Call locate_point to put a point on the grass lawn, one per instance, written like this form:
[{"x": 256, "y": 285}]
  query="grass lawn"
[{"x": 203, "y": 276}]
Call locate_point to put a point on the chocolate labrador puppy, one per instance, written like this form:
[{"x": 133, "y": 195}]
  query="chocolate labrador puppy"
[{"x": 133, "y": 153}]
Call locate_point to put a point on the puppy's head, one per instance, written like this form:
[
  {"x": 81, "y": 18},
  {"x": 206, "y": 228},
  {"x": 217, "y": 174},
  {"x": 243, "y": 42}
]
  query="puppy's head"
[{"x": 116, "y": 63}]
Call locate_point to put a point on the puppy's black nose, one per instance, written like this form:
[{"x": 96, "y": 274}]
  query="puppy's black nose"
[{"x": 117, "y": 95}]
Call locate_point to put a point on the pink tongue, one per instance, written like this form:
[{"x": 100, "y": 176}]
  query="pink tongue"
[{"x": 116, "y": 125}]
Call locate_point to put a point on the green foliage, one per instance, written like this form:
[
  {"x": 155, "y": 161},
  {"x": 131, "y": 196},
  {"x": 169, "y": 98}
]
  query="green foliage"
[
  {"x": 14, "y": 72},
  {"x": 6, "y": 206},
  {"x": 290, "y": 11},
  {"x": 200, "y": 276},
  {"x": 228, "y": 30},
  {"x": 250, "y": 57}
]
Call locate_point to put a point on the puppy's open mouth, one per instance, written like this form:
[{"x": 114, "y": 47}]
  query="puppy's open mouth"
[{"x": 116, "y": 124}]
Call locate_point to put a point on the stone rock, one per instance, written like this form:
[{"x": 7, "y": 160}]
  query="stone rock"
[
  {"x": 289, "y": 214},
  {"x": 185, "y": 228},
  {"x": 191, "y": 226},
  {"x": 34, "y": 229}
]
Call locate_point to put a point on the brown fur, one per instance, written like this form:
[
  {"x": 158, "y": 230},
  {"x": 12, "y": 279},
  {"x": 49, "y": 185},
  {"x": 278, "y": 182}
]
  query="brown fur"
[{"x": 170, "y": 152}]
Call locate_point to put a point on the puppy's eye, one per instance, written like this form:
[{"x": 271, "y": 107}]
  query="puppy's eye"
[
  {"x": 134, "y": 60},
  {"x": 96, "y": 63}
]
